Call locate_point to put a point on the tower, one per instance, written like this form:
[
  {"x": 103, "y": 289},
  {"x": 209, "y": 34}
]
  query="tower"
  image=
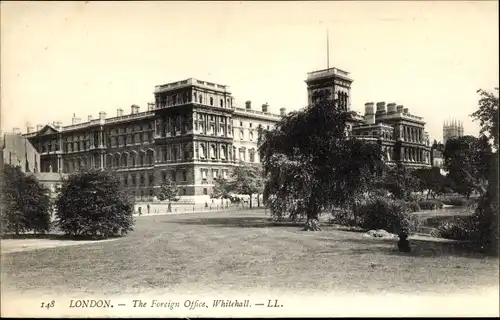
[{"x": 452, "y": 129}]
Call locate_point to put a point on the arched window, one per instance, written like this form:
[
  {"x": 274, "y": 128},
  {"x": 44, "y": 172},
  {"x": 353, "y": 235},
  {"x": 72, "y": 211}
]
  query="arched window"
[
  {"x": 201, "y": 98},
  {"x": 203, "y": 152},
  {"x": 221, "y": 103},
  {"x": 194, "y": 96},
  {"x": 223, "y": 152},
  {"x": 212, "y": 151},
  {"x": 211, "y": 101}
]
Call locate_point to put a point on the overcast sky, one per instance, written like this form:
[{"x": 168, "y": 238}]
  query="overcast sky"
[{"x": 63, "y": 58}]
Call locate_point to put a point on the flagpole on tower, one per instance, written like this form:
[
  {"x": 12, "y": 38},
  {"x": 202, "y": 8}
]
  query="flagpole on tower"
[{"x": 327, "y": 50}]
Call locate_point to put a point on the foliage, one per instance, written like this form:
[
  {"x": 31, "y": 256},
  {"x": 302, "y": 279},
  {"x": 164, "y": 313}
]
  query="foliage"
[
  {"x": 168, "y": 191},
  {"x": 387, "y": 214},
  {"x": 457, "y": 201},
  {"x": 468, "y": 160},
  {"x": 432, "y": 180},
  {"x": 431, "y": 204},
  {"x": 311, "y": 164},
  {"x": 413, "y": 206},
  {"x": 91, "y": 203},
  {"x": 346, "y": 217},
  {"x": 487, "y": 114},
  {"x": 246, "y": 179},
  {"x": 399, "y": 181},
  {"x": 26, "y": 204},
  {"x": 457, "y": 229},
  {"x": 220, "y": 189}
]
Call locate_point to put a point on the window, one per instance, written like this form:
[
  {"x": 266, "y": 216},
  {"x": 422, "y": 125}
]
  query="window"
[
  {"x": 252, "y": 155},
  {"x": 201, "y": 99},
  {"x": 250, "y": 124},
  {"x": 183, "y": 191},
  {"x": 223, "y": 152},
  {"x": 221, "y": 130},
  {"x": 164, "y": 174},
  {"x": 174, "y": 176},
  {"x": 212, "y": 129},
  {"x": 125, "y": 181},
  {"x": 184, "y": 176},
  {"x": 151, "y": 179},
  {"x": 251, "y": 136},
  {"x": 215, "y": 173},
  {"x": 242, "y": 155},
  {"x": 142, "y": 180},
  {"x": 194, "y": 96},
  {"x": 203, "y": 173},
  {"x": 174, "y": 154},
  {"x": 224, "y": 174},
  {"x": 203, "y": 152},
  {"x": 211, "y": 101},
  {"x": 212, "y": 151},
  {"x": 205, "y": 191},
  {"x": 221, "y": 103},
  {"x": 241, "y": 134},
  {"x": 241, "y": 123},
  {"x": 134, "y": 181}
]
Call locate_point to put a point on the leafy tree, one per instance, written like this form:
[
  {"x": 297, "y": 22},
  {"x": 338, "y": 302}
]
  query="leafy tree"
[
  {"x": 311, "y": 164},
  {"x": 399, "y": 181},
  {"x": 168, "y": 191},
  {"x": 220, "y": 190},
  {"x": 25, "y": 202},
  {"x": 92, "y": 203},
  {"x": 487, "y": 114},
  {"x": 467, "y": 160},
  {"x": 246, "y": 179}
]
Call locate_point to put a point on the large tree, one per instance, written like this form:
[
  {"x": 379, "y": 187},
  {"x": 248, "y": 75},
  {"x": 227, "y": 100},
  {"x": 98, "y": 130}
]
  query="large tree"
[
  {"x": 467, "y": 160},
  {"x": 246, "y": 179},
  {"x": 311, "y": 164},
  {"x": 26, "y": 204},
  {"x": 487, "y": 115}
]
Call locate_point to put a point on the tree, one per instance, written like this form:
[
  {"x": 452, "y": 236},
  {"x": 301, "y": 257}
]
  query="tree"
[
  {"x": 467, "y": 160},
  {"x": 92, "y": 203},
  {"x": 487, "y": 115},
  {"x": 246, "y": 179},
  {"x": 311, "y": 164},
  {"x": 168, "y": 191},
  {"x": 25, "y": 202},
  {"x": 399, "y": 181},
  {"x": 220, "y": 190}
]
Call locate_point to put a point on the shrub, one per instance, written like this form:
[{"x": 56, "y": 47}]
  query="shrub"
[
  {"x": 458, "y": 228},
  {"x": 25, "y": 203},
  {"x": 91, "y": 203},
  {"x": 390, "y": 215},
  {"x": 430, "y": 204},
  {"x": 346, "y": 218},
  {"x": 413, "y": 206},
  {"x": 457, "y": 201}
]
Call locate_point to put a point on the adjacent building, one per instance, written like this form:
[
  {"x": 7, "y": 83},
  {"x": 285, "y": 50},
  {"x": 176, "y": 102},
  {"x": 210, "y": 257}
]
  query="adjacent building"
[
  {"x": 400, "y": 134},
  {"x": 191, "y": 134}
]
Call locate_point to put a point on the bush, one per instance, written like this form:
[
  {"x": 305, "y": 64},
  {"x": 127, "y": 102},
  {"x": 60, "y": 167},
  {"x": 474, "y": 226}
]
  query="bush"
[
  {"x": 26, "y": 204},
  {"x": 430, "y": 204},
  {"x": 346, "y": 218},
  {"x": 91, "y": 203},
  {"x": 413, "y": 206},
  {"x": 390, "y": 215},
  {"x": 458, "y": 229},
  {"x": 457, "y": 201}
]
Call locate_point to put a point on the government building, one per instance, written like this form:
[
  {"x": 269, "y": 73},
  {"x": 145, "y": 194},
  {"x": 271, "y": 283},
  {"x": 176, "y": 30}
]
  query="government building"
[
  {"x": 400, "y": 134},
  {"x": 192, "y": 134}
]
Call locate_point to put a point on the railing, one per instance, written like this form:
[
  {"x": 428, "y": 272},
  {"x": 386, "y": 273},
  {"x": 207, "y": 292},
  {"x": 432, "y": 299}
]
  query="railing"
[
  {"x": 190, "y": 81},
  {"x": 256, "y": 112},
  {"x": 327, "y": 72},
  {"x": 144, "y": 114}
]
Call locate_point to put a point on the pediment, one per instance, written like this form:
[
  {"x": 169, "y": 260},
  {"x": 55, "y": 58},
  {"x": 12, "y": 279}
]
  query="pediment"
[{"x": 47, "y": 130}]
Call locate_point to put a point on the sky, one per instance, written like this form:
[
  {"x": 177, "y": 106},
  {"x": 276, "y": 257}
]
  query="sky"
[{"x": 60, "y": 58}]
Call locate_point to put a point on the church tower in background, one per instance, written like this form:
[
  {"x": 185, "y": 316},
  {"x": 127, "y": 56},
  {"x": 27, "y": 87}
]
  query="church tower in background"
[{"x": 452, "y": 129}]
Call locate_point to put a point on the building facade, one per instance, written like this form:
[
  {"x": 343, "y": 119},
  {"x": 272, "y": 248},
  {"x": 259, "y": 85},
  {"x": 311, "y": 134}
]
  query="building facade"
[
  {"x": 192, "y": 134},
  {"x": 400, "y": 134},
  {"x": 452, "y": 129}
]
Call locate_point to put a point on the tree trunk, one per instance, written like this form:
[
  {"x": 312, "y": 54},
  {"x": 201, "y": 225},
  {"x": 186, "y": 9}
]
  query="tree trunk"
[
  {"x": 312, "y": 223},
  {"x": 258, "y": 201},
  {"x": 250, "y": 201}
]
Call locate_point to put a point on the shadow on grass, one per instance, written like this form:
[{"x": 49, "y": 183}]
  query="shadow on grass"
[
  {"x": 239, "y": 222},
  {"x": 419, "y": 248},
  {"x": 52, "y": 236}
]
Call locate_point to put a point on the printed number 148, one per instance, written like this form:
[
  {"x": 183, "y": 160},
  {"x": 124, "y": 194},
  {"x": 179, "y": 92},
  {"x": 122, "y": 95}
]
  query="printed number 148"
[{"x": 48, "y": 305}]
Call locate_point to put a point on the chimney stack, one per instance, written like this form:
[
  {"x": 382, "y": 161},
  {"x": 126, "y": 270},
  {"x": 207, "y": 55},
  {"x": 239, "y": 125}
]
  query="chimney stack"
[
  {"x": 135, "y": 109},
  {"x": 265, "y": 106},
  {"x": 151, "y": 106},
  {"x": 248, "y": 105},
  {"x": 405, "y": 110},
  {"x": 380, "y": 108},
  {"x": 282, "y": 112},
  {"x": 399, "y": 108},
  {"x": 119, "y": 112},
  {"x": 75, "y": 119},
  {"x": 369, "y": 108},
  {"x": 57, "y": 125},
  {"x": 391, "y": 107},
  {"x": 102, "y": 115}
]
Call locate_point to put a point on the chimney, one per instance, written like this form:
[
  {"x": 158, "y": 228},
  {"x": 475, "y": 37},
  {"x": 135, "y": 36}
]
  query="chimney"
[
  {"x": 119, "y": 112},
  {"x": 134, "y": 109},
  {"x": 369, "y": 108},
  {"x": 391, "y": 107},
  {"x": 369, "y": 118},
  {"x": 405, "y": 110},
  {"x": 39, "y": 127},
  {"x": 282, "y": 112},
  {"x": 75, "y": 120},
  {"x": 102, "y": 115},
  {"x": 264, "y": 107},
  {"x": 16, "y": 130},
  {"x": 151, "y": 106},
  {"x": 89, "y": 118},
  {"x": 248, "y": 105},
  {"x": 399, "y": 108},
  {"x": 380, "y": 108}
]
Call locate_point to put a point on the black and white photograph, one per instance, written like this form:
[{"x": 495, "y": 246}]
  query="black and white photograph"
[{"x": 183, "y": 159}]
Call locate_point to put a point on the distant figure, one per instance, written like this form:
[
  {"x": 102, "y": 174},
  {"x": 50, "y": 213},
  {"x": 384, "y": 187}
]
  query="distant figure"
[
  {"x": 140, "y": 211},
  {"x": 148, "y": 208},
  {"x": 403, "y": 243},
  {"x": 206, "y": 204}
]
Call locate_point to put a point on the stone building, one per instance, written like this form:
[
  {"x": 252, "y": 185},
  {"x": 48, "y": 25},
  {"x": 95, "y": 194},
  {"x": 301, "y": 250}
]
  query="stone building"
[
  {"x": 191, "y": 134},
  {"x": 400, "y": 134},
  {"x": 452, "y": 129}
]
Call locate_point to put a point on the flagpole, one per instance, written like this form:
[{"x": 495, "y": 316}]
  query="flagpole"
[{"x": 327, "y": 50}]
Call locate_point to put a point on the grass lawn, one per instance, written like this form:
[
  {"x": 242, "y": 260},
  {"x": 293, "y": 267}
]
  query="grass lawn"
[{"x": 243, "y": 251}]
